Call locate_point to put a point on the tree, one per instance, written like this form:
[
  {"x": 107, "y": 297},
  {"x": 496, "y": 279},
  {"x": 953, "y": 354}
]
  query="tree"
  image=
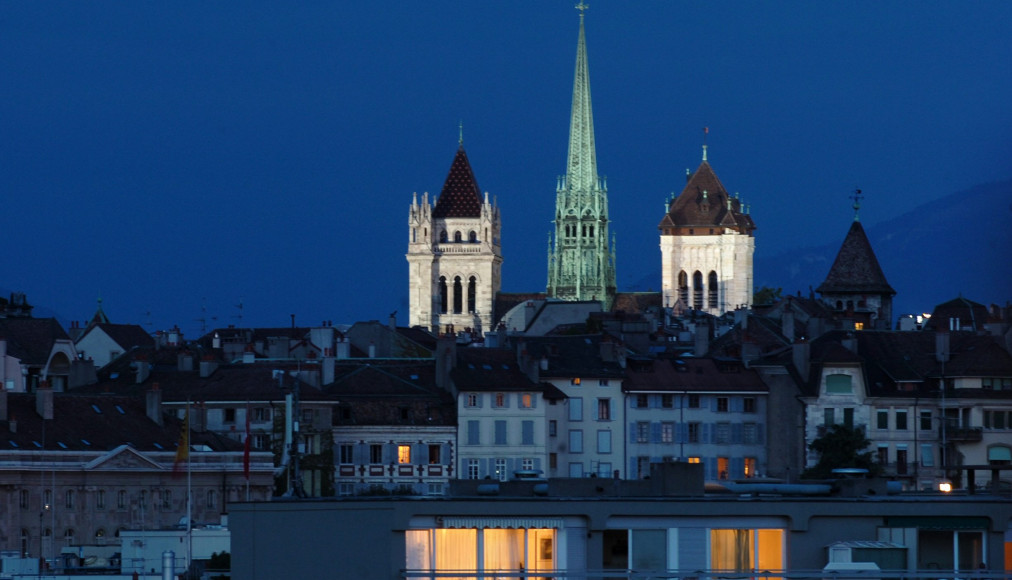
[
  {"x": 841, "y": 446},
  {"x": 763, "y": 295}
]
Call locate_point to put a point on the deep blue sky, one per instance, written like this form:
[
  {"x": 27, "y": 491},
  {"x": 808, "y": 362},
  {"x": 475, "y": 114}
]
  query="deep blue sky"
[{"x": 174, "y": 156}]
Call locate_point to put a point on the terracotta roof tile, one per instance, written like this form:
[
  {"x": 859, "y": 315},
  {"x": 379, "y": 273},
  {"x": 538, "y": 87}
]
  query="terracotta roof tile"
[{"x": 704, "y": 204}]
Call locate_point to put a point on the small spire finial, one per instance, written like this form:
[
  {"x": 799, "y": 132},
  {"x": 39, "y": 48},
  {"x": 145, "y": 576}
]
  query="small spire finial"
[
  {"x": 581, "y": 6},
  {"x": 460, "y": 128},
  {"x": 706, "y": 131},
  {"x": 857, "y": 197}
]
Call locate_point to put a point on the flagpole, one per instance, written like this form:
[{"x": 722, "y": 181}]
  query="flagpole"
[{"x": 189, "y": 497}]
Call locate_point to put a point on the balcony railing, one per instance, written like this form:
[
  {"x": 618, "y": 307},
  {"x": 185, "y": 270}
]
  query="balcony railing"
[{"x": 962, "y": 434}]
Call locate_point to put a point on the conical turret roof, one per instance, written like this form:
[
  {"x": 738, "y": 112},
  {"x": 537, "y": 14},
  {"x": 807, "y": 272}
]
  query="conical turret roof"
[
  {"x": 856, "y": 268},
  {"x": 461, "y": 196}
]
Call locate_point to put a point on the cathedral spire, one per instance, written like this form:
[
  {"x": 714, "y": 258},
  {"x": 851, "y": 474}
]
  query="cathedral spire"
[
  {"x": 581, "y": 266},
  {"x": 582, "y": 165}
]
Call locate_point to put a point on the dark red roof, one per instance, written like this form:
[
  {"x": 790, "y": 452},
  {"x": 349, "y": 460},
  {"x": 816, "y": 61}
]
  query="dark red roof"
[
  {"x": 460, "y": 196},
  {"x": 856, "y": 268},
  {"x": 704, "y": 204},
  {"x": 31, "y": 339}
]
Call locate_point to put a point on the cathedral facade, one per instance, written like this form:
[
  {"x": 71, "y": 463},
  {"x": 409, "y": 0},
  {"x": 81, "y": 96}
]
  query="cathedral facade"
[
  {"x": 707, "y": 243},
  {"x": 454, "y": 254},
  {"x": 581, "y": 261}
]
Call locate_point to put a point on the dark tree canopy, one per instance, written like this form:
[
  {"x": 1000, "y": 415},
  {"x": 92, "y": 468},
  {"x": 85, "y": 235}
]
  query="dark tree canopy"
[
  {"x": 766, "y": 295},
  {"x": 841, "y": 446}
]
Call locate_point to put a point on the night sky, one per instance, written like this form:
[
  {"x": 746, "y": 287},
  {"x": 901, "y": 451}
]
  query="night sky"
[{"x": 176, "y": 158}]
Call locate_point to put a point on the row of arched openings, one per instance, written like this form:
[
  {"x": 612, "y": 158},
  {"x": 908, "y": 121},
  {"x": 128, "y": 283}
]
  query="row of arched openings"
[
  {"x": 472, "y": 237},
  {"x": 585, "y": 231},
  {"x": 712, "y": 289},
  {"x": 456, "y": 298}
]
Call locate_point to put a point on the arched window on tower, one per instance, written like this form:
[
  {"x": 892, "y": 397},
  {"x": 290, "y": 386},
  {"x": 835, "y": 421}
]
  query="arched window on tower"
[
  {"x": 442, "y": 236},
  {"x": 458, "y": 295},
  {"x": 472, "y": 237},
  {"x": 592, "y": 231},
  {"x": 472, "y": 288},
  {"x": 442, "y": 295},
  {"x": 697, "y": 290},
  {"x": 456, "y": 236},
  {"x": 711, "y": 290},
  {"x": 683, "y": 287}
]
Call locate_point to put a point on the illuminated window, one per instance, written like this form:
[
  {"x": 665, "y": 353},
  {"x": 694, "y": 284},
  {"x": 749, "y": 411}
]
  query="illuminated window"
[
  {"x": 403, "y": 454},
  {"x": 500, "y": 400},
  {"x": 575, "y": 382},
  {"x": 526, "y": 401},
  {"x": 513, "y": 552},
  {"x": 694, "y": 460},
  {"x": 723, "y": 465},
  {"x": 750, "y": 463},
  {"x": 746, "y": 550},
  {"x": 472, "y": 400},
  {"x": 858, "y": 326}
]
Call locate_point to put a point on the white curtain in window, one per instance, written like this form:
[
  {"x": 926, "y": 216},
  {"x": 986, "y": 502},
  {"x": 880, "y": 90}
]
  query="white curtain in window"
[
  {"x": 731, "y": 550},
  {"x": 418, "y": 550},
  {"x": 456, "y": 550},
  {"x": 504, "y": 550}
]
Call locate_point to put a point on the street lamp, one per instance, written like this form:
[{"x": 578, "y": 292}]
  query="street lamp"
[{"x": 42, "y": 536}]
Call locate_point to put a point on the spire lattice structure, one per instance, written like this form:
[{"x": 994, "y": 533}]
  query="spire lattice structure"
[{"x": 581, "y": 263}]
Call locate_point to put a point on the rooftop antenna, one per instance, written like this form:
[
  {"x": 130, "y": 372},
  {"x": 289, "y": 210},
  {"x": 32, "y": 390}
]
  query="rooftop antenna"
[
  {"x": 203, "y": 316},
  {"x": 460, "y": 128},
  {"x": 857, "y": 197},
  {"x": 239, "y": 316}
]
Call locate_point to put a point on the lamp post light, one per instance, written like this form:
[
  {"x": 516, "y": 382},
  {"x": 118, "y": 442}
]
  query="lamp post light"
[{"x": 42, "y": 537}]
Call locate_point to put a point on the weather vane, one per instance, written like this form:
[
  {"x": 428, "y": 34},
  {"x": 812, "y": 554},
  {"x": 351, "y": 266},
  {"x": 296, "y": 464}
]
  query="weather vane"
[{"x": 857, "y": 197}]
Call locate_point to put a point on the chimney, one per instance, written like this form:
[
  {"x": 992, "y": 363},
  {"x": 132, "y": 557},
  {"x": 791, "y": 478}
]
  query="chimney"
[
  {"x": 393, "y": 321},
  {"x": 787, "y": 321},
  {"x": 327, "y": 367},
  {"x": 801, "y": 355},
  {"x": 44, "y": 401},
  {"x": 446, "y": 359},
  {"x": 372, "y": 349},
  {"x": 343, "y": 348},
  {"x": 13, "y": 425},
  {"x": 208, "y": 366},
  {"x": 216, "y": 341},
  {"x": 702, "y": 342},
  {"x": 143, "y": 369},
  {"x": 153, "y": 404},
  {"x": 248, "y": 355},
  {"x": 3, "y": 403},
  {"x": 184, "y": 362}
]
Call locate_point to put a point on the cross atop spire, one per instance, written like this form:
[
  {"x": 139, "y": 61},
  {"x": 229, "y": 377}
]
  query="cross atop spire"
[
  {"x": 857, "y": 197},
  {"x": 581, "y": 7}
]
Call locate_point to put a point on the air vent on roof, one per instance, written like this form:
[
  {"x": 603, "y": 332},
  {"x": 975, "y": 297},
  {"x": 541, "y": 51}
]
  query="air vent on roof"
[
  {"x": 86, "y": 442},
  {"x": 120, "y": 409},
  {"x": 487, "y": 367},
  {"x": 13, "y": 444},
  {"x": 96, "y": 409},
  {"x": 159, "y": 446},
  {"x": 414, "y": 377},
  {"x": 37, "y": 444},
  {"x": 61, "y": 444}
]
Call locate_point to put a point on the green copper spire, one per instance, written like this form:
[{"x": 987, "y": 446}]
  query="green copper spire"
[{"x": 581, "y": 265}]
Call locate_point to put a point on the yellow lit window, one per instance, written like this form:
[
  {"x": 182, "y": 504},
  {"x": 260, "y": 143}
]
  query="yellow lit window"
[
  {"x": 403, "y": 454},
  {"x": 694, "y": 460}
]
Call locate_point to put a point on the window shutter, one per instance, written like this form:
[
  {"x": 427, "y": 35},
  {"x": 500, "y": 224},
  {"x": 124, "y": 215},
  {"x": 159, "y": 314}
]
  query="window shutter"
[
  {"x": 760, "y": 432},
  {"x": 632, "y": 432},
  {"x": 712, "y": 400},
  {"x": 737, "y": 404},
  {"x": 655, "y": 432},
  {"x": 682, "y": 433},
  {"x": 737, "y": 467},
  {"x": 704, "y": 437},
  {"x": 736, "y": 432}
]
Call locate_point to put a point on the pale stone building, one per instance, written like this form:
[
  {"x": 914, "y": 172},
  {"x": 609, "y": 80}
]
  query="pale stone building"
[
  {"x": 581, "y": 264},
  {"x": 454, "y": 254},
  {"x": 707, "y": 243}
]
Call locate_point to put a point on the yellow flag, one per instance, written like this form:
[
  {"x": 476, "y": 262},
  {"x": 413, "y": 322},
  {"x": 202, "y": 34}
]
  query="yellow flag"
[{"x": 183, "y": 447}]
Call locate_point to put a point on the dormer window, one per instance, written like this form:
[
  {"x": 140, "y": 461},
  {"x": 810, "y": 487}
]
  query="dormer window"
[{"x": 839, "y": 384}]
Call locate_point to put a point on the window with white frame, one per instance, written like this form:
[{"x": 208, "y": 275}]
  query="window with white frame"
[
  {"x": 472, "y": 469},
  {"x": 642, "y": 432},
  {"x": 500, "y": 470},
  {"x": 604, "y": 409},
  {"x": 667, "y": 432}
]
